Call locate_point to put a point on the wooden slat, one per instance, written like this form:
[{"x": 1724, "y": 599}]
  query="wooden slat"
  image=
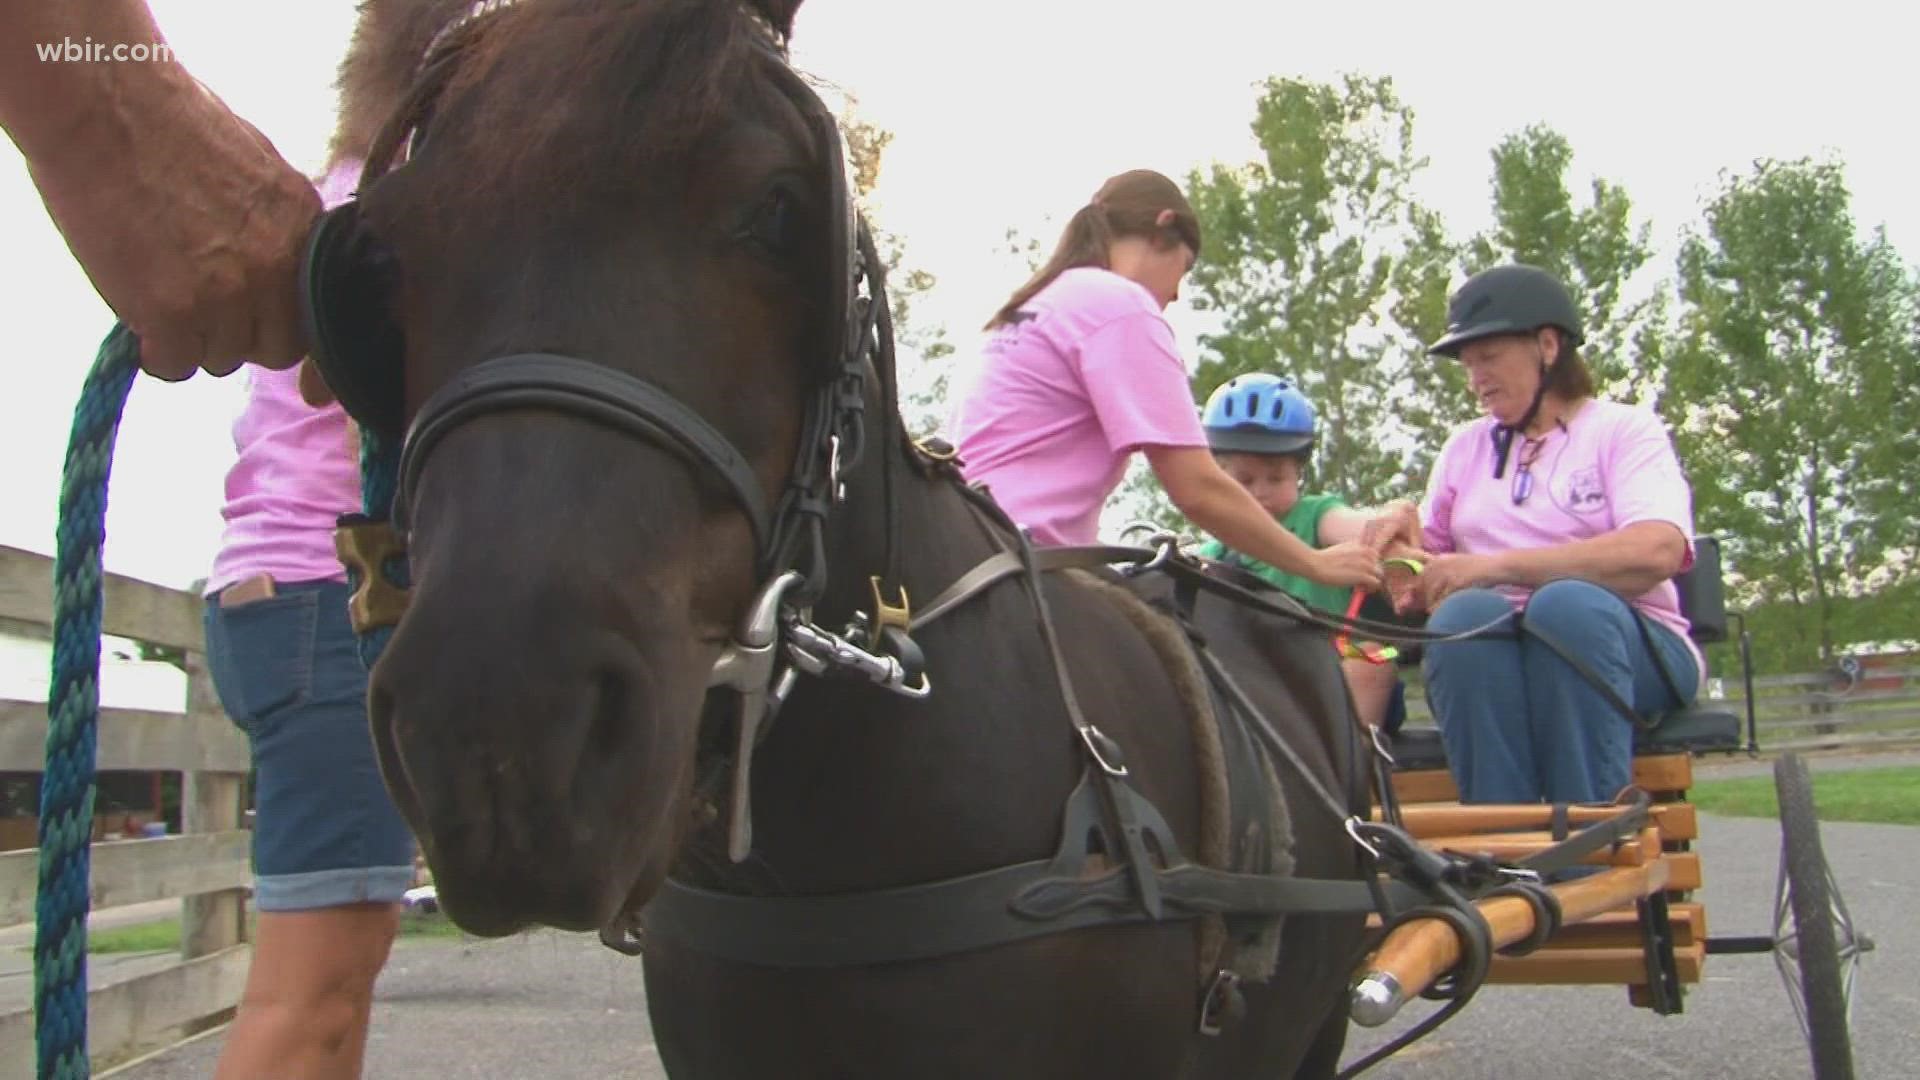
[
  {"x": 1606, "y": 967},
  {"x": 1841, "y": 739},
  {"x": 130, "y": 739},
  {"x": 1839, "y": 702},
  {"x": 1683, "y": 871},
  {"x": 133, "y": 608},
  {"x": 1839, "y": 720},
  {"x": 1425, "y": 786},
  {"x": 1521, "y": 845},
  {"x": 135, "y": 871},
  {"x": 1676, "y": 821},
  {"x": 1657, "y": 773},
  {"x": 1621, "y": 929},
  {"x": 209, "y": 803},
  {"x": 142, "y": 1013},
  {"x": 1660, "y": 773}
]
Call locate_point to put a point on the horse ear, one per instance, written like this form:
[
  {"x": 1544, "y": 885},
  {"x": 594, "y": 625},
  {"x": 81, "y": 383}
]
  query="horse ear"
[
  {"x": 779, "y": 13},
  {"x": 389, "y": 40}
]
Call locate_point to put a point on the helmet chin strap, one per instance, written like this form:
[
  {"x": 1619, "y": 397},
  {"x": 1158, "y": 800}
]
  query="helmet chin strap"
[{"x": 1503, "y": 433}]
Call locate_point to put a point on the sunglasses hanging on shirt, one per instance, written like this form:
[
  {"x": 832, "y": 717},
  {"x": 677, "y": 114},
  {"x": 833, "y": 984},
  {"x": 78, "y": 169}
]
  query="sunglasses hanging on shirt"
[{"x": 1530, "y": 451}]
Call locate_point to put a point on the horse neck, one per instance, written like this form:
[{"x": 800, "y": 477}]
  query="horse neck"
[
  {"x": 935, "y": 538},
  {"x": 839, "y": 790}
]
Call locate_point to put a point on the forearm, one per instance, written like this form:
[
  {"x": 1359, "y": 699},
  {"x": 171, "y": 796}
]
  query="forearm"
[
  {"x": 53, "y": 102},
  {"x": 1342, "y": 525},
  {"x": 1387, "y": 527},
  {"x": 1628, "y": 561}
]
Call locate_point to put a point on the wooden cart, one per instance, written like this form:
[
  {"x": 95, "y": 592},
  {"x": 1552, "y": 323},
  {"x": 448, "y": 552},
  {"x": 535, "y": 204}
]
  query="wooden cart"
[{"x": 1635, "y": 922}]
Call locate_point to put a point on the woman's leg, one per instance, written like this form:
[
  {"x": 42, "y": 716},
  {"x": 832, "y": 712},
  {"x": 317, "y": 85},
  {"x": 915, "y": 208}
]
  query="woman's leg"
[
  {"x": 332, "y": 856},
  {"x": 1478, "y": 694},
  {"x": 1585, "y": 745}
]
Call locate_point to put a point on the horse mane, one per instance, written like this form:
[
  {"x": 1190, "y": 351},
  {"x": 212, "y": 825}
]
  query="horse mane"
[
  {"x": 566, "y": 97},
  {"x": 389, "y": 40}
]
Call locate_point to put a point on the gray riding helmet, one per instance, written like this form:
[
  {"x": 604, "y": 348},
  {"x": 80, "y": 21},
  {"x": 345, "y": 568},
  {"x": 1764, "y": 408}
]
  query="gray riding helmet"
[{"x": 1511, "y": 299}]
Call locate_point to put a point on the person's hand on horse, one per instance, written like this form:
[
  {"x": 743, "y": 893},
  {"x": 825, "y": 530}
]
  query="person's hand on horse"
[
  {"x": 190, "y": 229},
  {"x": 1395, "y": 522},
  {"x": 1444, "y": 575},
  {"x": 1350, "y": 564}
]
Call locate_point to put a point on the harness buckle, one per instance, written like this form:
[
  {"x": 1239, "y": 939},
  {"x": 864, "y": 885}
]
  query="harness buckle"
[
  {"x": 885, "y": 614},
  {"x": 1519, "y": 873},
  {"x": 1379, "y": 739},
  {"x": 1106, "y": 753},
  {"x": 936, "y": 449},
  {"x": 1221, "y": 1002},
  {"x": 1353, "y": 825},
  {"x": 836, "y": 488}
]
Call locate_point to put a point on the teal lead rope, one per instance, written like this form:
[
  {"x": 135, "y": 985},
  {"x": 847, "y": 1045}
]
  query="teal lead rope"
[
  {"x": 73, "y": 712},
  {"x": 73, "y": 698}
]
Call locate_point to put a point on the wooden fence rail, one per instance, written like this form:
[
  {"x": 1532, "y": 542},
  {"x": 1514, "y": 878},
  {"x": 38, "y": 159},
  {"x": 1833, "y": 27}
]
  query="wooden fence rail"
[{"x": 206, "y": 867}]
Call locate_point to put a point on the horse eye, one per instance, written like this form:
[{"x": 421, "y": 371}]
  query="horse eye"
[{"x": 773, "y": 221}]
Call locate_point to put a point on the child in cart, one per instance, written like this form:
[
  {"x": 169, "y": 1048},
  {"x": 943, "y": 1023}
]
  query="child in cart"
[{"x": 1262, "y": 431}]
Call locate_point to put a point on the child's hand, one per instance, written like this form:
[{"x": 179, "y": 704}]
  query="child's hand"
[{"x": 1350, "y": 564}]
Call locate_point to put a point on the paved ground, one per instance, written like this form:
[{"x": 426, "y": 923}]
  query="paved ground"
[
  {"x": 546, "y": 1005},
  {"x": 561, "y": 1006}
]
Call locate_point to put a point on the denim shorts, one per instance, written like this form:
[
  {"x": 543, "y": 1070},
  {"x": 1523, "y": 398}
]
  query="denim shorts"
[{"x": 326, "y": 832}]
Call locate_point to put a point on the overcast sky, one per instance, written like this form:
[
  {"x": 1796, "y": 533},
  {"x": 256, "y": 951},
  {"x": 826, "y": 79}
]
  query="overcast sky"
[{"x": 1010, "y": 114}]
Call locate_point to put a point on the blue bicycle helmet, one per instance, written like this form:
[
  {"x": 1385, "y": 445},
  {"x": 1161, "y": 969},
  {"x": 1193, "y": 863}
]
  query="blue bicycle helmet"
[{"x": 1258, "y": 414}]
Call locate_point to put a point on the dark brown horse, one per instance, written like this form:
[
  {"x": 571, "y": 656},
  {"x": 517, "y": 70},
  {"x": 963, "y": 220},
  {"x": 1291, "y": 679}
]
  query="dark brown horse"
[{"x": 642, "y": 187}]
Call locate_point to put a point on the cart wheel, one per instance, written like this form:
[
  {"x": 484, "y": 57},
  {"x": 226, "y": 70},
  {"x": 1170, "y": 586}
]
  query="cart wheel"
[{"x": 1820, "y": 942}]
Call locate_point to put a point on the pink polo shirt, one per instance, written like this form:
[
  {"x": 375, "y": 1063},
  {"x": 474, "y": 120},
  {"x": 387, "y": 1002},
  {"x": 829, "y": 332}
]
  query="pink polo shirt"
[
  {"x": 1611, "y": 467},
  {"x": 1064, "y": 398},
  {"x": 297, "y": 470}
]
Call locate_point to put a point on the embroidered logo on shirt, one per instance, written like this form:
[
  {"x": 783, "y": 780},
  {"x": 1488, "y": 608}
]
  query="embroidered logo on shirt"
[{"x": 1585, "y": 493}]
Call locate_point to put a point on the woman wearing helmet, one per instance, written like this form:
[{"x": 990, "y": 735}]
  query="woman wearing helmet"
[
  {"x": 1572, "y": 511},
  {"x": 1262, "y": 432},
  {"x": 1081, "y": 371}
]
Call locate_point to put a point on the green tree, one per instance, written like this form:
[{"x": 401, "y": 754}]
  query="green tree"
[
  {"x": 922, "y": 351},
  {"x": 1315, "y": 253},
  {"x": 1792, "y": 391},
  {"x": 1596, "y": 249}
]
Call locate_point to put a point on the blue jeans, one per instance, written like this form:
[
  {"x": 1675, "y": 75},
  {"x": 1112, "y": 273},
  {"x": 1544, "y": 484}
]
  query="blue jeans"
[
  {"x": 1520, "y": 724},
  {"x": 326, "y": 832}
]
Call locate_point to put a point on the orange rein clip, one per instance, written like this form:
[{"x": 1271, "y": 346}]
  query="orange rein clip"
[{"x": 1371, "y": 651}]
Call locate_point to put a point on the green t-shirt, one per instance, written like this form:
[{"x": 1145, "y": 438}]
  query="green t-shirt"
[{"x": 1302, "y": 521}]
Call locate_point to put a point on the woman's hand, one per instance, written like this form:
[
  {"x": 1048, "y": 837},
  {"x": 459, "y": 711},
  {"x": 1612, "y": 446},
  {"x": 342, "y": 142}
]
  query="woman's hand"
[
  {"x": 1349, "y": 564},
  {"x": 1445, "y": 575},
  {"x": 1401, "y": 572}
]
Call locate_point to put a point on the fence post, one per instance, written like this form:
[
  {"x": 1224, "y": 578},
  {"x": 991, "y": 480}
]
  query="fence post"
[{"x": 209, "y": 802}]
